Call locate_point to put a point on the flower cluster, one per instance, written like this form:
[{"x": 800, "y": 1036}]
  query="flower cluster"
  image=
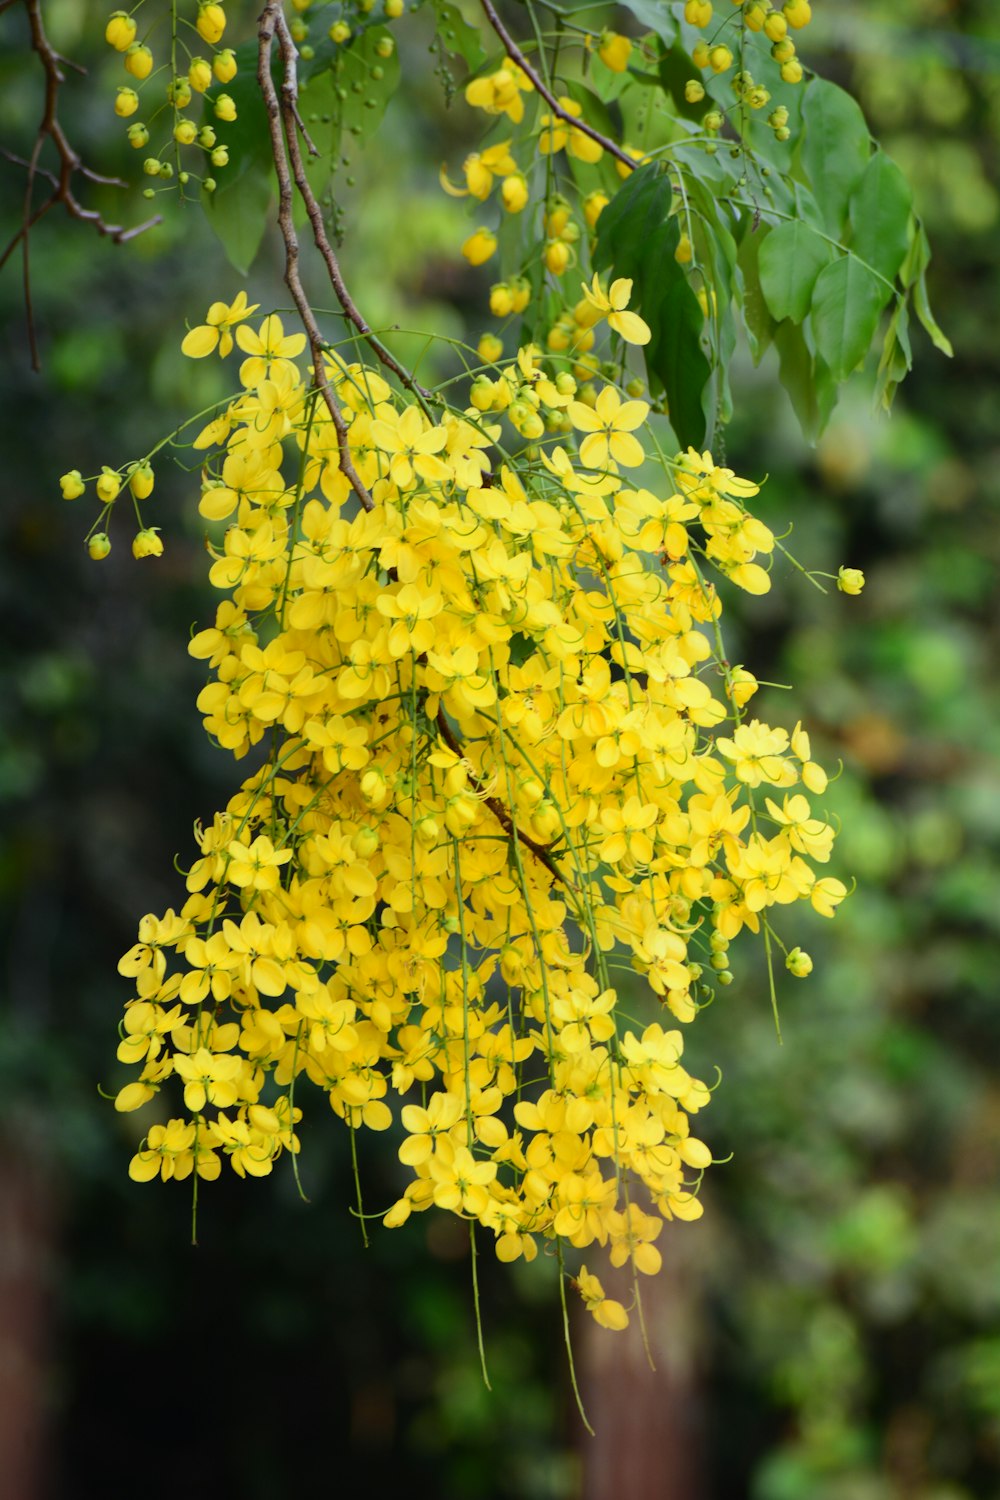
[
  {"x": 499, "y": 759},
  {"x": 189, "y": 74}
]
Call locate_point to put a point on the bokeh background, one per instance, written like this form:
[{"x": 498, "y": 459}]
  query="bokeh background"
[{"x": 831, "y": 1329}]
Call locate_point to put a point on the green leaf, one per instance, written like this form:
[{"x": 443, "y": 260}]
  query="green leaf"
[
  {"x": 637, "y": 237},
  {"x": 835, "y": 150},
  {"x": 913, "y": 274},
  {"x": 791, "y": 259},
  {"x": 238, "y": 213},
  {"x": 680, "y": 361},
  {"x": 922, "y": 307},
  {"x": 847, "y": 302},
  {"x": 248, "y": 136},
  {"x": 880, "y": 210},
  {"x": 365, "y": 82},
  {"x": 655, "y": 15},
  {"x": 806, "y": 377},
  {"x": 457, "y": 35},
  {"x": 676, "y": 70},
  {"x": 757, "y": 319},
  {"x": 897, "y": 358}
]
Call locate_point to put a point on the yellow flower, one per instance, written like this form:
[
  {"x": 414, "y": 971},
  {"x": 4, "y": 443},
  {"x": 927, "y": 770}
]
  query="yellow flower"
[
  {"x": 216, "y": 331},
  {"x": 609, "y": 427},
  {"x": 612, "y": 305}
]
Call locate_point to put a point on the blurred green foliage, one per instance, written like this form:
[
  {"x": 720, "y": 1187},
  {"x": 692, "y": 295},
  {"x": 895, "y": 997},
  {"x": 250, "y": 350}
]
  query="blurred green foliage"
[{"x": 850, "y": 1252}]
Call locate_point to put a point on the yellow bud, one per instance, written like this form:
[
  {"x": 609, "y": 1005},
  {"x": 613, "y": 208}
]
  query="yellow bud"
[
  {"x": 520, "y": 290},
  {"x": 141, "y": 481},
  {"x": 126, "y": 102},
  {"x": 481, "y": 394},
  {"x": 699, "y": 55},
  {"x": 138, "y": 61},
  {"x": 340, "y": 33},
  {"x": 211, "y": 22},
  {"x": 120, "y": 31},
  {"x": 514, "y": 192},
  {"x": 108, "y": 485},
  {"x": 479, "y": 247},
  {"x": 225, "y": 108},
  {"x": 593, "y": 206},
  {"x": 72, "y": 484},
  {"x": 147, "y": 543},
  {"x": 799, "y": 963},
  {"x": 698, "y": 12},
  {"x": 557, "y": 256},
  {"x": 694, "y": 91},
  {"x": 394, "y": 9},
  {"x": 224, "y": 65},
  {"x": 185, "y": 132},
  {"x": 99, "y": 545},
  {"x": 200, "y": 74},
  {"x": 720, "y": 58},
  {"x": 775, "y": 26},
  {"x": 797, "y": 13},
  {"x": 490, "y": 348},
  {"x": 791, "y": 71},
  {"x": 850, "y": 580},
  {"x": 614, "y": 51}
]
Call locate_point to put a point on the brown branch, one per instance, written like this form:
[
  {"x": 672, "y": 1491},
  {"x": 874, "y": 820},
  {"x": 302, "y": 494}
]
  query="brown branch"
[
  {"x": 69, "y": 165},
  {"x": 499, "y": 811},
  {"x": 517, "y": 56},
  {"x": 289, "y": 54},
  {"x": 282, "y": 125}
]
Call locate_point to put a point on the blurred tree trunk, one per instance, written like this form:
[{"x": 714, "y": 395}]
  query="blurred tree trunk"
[
  {"x": 649, "y": 1442},
  {"x": 27, "y": 1220}
]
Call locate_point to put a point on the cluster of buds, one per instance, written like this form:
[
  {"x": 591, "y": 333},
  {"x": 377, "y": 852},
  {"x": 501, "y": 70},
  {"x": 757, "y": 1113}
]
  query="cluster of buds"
[
  {"x": 201, "y": 77},
  {"x": 138, "y": 479}
]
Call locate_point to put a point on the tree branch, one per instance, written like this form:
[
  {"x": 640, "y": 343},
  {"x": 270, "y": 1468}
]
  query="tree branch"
[
  {"x": 69, "y": 165},
  {"x": 500, "y": 812},
  {"x": 290, "y": 106},
  {"x": 517, "y": 56},
  {"x": 281, "y": 115}
]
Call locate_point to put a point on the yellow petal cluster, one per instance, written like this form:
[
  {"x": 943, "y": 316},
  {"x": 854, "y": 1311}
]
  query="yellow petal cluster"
[{"x": 502, "y": 762}]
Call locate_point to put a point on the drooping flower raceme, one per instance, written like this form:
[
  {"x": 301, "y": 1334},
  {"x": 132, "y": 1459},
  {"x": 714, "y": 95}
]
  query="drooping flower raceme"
[{"x": 504, "y": 760}]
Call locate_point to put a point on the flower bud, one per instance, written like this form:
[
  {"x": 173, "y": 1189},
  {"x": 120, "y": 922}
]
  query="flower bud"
[
  {"x": 614, "y": 51},
  {"x": 211, "y": 22},
  {"x": 138, "y": 136},
  {"x": 224, "y": 65},
  {"x": 139, "y": 61},
  {"x": 694, "y": 91},
  {"x": 120, "y": 31},
  {"x": 141, "y": 481},
  {"x": 185, "y": 132},
  {"x": 108, "y": 485},
  {"x": 147, "y": 543},
  {"x": 799, "y": 963},
  {"x": 340, "y": 33},
  {"x": 200, "y": 74},
  {"x": 225, "y": 108},
  {"x": 479, "y": 247},
  {"x": 514, "y": 192},
  {"x": 490, "y": 348},
  {"x": 850, "y": 580},
  {"x": 593, "y": 206},
  {"x": 72, "y": 484},
  {"x": 99, "y": 545},
  {"x": 126, "y": 103}
]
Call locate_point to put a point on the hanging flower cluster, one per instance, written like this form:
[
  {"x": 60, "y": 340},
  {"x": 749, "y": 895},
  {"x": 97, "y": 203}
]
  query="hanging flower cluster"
[
  {"x": 499, "y": 759},
  {"x": 189, "y": 75}
]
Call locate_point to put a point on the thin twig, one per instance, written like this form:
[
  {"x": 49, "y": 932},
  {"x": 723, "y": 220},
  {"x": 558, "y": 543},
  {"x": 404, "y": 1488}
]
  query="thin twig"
[
  {"x": 289, "y": 53},
  {"x": 517, "y": 56},
  {"x": 69, "y": 165},
  {"x": 282, "y": 126},
  {"x": 499, "y": 811}
]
